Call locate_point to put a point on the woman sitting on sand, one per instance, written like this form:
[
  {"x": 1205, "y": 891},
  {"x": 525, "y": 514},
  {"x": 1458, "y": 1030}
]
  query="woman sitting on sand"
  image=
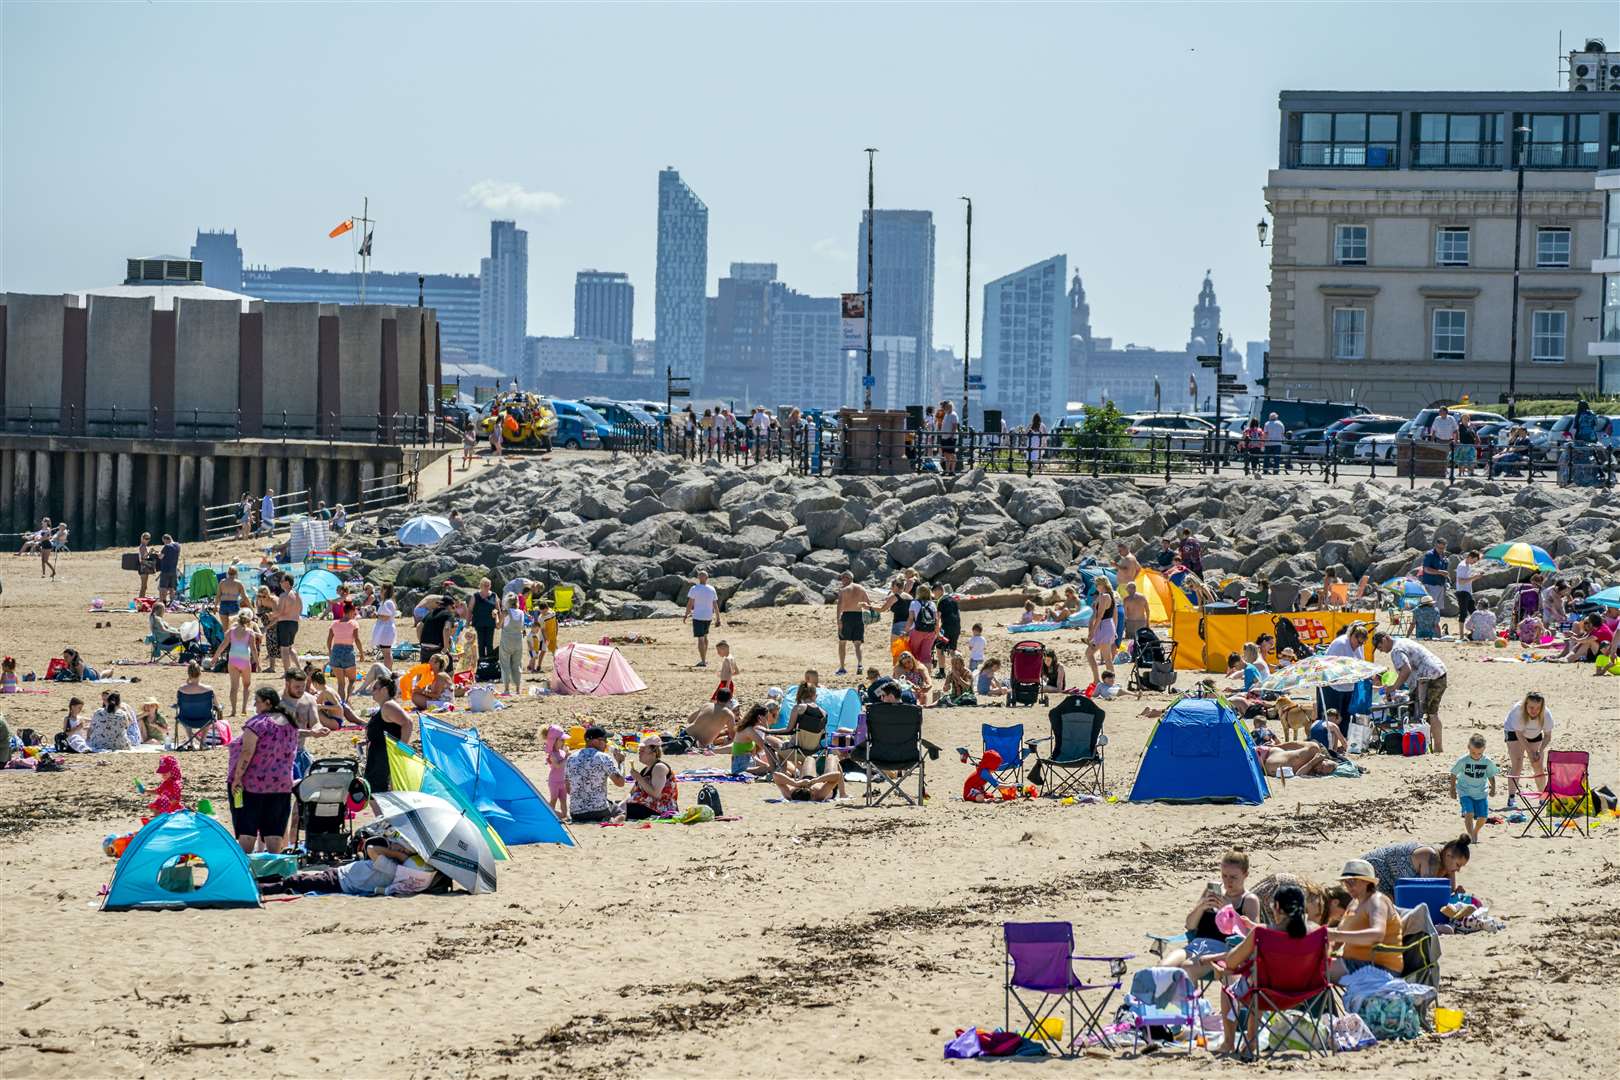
[
  {"x": 957, "y": 689},
  {"x": 1415, "y": 859},
  {"x": 653, "y": 792},
  {"x": 1054, "y": 677},
  {"x": 907, "y": 670},
  {"x": 436, "y": 690},
  {"x": 110, "y": 725}
]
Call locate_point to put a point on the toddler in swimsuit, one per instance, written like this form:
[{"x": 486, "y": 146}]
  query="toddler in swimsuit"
[{"x": 557, "y": 778}]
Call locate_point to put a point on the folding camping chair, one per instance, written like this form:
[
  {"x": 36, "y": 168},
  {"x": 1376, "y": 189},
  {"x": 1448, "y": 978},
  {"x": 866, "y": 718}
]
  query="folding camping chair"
[
  {"x": 1286, "y": 976},
  {"x": 1040, "y": 960},
  {"x": 1147, "y": 1006},
  {"x": 894, "y": 751},
  {"x": 1419, "y": 949},
  {"x": 1565, "y": 801},
  {"x": 1009, "y": 743},
  {"x": 562, "y": 599},
  {"x": 195, "y": 715},
  {"x": 1074, "y": 765}
]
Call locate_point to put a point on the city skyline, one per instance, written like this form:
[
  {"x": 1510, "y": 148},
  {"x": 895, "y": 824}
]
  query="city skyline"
[{"x": 1148, "y": 79}]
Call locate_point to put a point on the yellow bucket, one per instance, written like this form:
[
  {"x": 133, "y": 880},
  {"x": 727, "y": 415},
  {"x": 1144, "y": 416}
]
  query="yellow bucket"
[
  {"x": 1447, "y": 1020},
  {"x": 1051, "y": 1028},
  {"x": 576, "y": 737}
]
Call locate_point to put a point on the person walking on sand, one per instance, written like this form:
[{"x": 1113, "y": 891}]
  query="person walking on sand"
[
  {"x": 267, "y": 512},
  {"x": 289, "y": 609},
  {"x": 853, "y": 604},
  {"x": 703, "y": 608}
]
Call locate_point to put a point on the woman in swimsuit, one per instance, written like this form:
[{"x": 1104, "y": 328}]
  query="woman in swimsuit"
[
  {"x": 231, "y": 594},
  {"x": 241, "y": 645},
  {"x": 1104, "y": 632},
  {"x": 390, "y": 720}
]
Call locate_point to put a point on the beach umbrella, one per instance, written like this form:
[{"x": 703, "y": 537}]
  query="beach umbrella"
[
  {"x": 1609, "y": 597},
  {"x": 442, "y": 835},
  {"x": 1320, "y": 671},
  {"x": 424, "y": 531},
  {"x": 1524, "y": 556},
  {"x": 1405, "y": 587}
]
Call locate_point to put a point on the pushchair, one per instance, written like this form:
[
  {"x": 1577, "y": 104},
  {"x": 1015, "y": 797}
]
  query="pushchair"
[
  {"x": 1153, "y": 662},
  {"x": 1288, "y": 638},
  {"x": 327, "y": 794},
  {"x": 1024, "y": 679}
]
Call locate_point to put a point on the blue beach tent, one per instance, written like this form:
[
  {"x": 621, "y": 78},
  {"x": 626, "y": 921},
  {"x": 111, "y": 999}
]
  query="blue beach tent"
[
  {"x": 512, "y": 805},
  {"x": 843, "y": 708},
  {"x": 151, "y": 874},
  {"x": 1199, "y": 751},
  {"x": 317, "y": 587}
]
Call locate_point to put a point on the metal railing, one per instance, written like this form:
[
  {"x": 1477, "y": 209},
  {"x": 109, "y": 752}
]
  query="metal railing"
[
  {"x": 1458, "y": 155},
  {"x": 396, "y": 429},
  {"x": 1344, "y": 155},
  {"x": 803, "y": 449}
]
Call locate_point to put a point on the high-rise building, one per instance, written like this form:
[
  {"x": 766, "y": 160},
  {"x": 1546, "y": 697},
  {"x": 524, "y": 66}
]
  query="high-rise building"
[
  {"x": 1026, "y": 343},
  {"x": 737, "y": 335},
  {"x": 604, "y": 306},
  {"x": 221, "y": 257},
  {"x": 554, "y": 355},
  {"x": 1605, "y": 351},
  {"x": 1254, "y": 360},
  {"x": 903, "y": 284},
  {"x": 454, "y": 296},
  {"x": 504, "y": 303},
  {"x": 682, "y": 278},
  {"x": 1393, "y": 237},
  {"x": 896, "y": 371},
  {"x": 808, "y": 364}
]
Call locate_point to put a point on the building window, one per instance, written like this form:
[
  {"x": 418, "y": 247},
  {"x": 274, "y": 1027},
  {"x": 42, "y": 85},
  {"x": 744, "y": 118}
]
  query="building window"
[
  {"x": 1560, "y": 141},
  {"x": 1349, "y": 333},
  {"x": 1350, "y": 245},
  {"x": 1611, "y": 308},
  {"x": 1450, "y": 339},
  {"x": 1451, "y": 247},
  {"x": 1458, "y": 140},
  {"x": 1547, "y": 336},
  {"x": 1345, "y": 140},
  {"x": 1552, "y": 247},
  {"x": 1611, "y": 231}
]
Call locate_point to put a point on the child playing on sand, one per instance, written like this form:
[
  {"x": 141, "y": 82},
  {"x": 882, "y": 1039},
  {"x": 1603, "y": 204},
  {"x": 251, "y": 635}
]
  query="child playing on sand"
[
  {"x": 1473, "y": 779},
  {"x": 8, "y": 675},
  {"x": 1107, "y": 689},
  {"x": 535, "y": 643},
  {"x": 976, "y": 647},
  {"x": 1028, "y": 616},
  {"x": 557, "y": 777},
  {"x": 728, "y": 670},
  {"x": 988, "y": 684},
  {"x": 467, "y": 651}
]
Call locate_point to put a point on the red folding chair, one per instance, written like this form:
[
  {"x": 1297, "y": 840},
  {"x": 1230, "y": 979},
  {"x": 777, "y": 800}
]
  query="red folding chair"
[
  {"x": 1565, "y": 798},
  {"x": 1286, "y": 975}
]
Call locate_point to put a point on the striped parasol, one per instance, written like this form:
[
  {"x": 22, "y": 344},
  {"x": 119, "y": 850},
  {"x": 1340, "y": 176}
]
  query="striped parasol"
[
  {"x": 1316, "y": 671},
  {"x": 1524, "y": 556}
]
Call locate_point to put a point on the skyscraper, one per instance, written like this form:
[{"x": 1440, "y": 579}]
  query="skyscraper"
[
  {"x": 604, "y": 306},
  {"x": 808, "y": 364},
  {"x": 1026, "y": 343},
  {"x": 503, "y": 309},
  {"x": 740, "y": 320},
  {"x": 221, "y": 257},
  {"x": 903, "y": 287},
  {"x": 683, "y": 274}
]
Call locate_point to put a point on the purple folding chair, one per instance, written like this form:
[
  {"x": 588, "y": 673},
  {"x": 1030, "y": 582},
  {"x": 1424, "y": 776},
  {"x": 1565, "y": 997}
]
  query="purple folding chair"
[{"x": 1040, "y": 960}]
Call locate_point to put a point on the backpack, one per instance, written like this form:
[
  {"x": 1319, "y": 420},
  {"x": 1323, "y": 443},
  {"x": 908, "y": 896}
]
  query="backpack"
[
  {"x": 927, "y": 618},
  {"x": 709, "y": 795}
]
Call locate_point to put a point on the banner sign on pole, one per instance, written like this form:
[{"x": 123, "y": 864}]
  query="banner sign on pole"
[{"x": 854, "y": 321}]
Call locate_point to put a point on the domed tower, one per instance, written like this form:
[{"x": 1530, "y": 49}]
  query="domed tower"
[{"x": 1206, "y": 321}]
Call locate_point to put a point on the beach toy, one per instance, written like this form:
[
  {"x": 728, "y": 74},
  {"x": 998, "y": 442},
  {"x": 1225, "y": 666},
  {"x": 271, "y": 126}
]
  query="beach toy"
[
  {"x": 113, "y": 845},
  {"x": 97, "y": 603},
  {"x": 140, "y": 788},
  {"x": 1049, "y": 1028},
  {"x": 1228, "y": 921},
  {"x": 1501, "y": 643},
  {"x": 205, "y": 806},
  {"x": 1447, "y": 1020},
  {"x": 1067, "y": 800},
  {"x": 1113, "y": 798},
  {"x": 576, "y": 737}
]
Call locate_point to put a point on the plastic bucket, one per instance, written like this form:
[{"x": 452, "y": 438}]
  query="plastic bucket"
[{"x": 1447, "y": 1020}]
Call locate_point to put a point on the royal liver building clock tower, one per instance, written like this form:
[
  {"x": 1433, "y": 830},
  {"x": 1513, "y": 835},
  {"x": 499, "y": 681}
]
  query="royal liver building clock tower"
[{"x": 1206, "y": 321}]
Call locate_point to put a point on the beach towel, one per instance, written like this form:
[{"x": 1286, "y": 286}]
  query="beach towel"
[{"x": 1077, "y": 621}]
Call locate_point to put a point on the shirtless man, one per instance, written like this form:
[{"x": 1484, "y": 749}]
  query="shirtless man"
[
  {"x": 1126, "y": 568},
  {"x": 1135, "y": 607},
  {"x": 289, "y": 608},
  {"x": 853, "y": 603},
  {"x": 714, "y": 723}
]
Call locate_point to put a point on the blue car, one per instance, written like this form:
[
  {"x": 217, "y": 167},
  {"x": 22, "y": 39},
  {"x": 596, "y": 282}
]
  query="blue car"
[
  {"x": 574, "y": 433},
  {"x": 627, "y": 419}
]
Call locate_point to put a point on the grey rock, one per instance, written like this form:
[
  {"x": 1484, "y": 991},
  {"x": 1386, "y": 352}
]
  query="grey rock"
[
  {"x": 662, "y": 587},
  {"x": 646, "y": 609},
  {"x": 920, "y": 488},
  {"x": 1004, "y": 570},
  {"x": 867, "y": 539},
  {"x": 1033, "y": 505},
  {"x": 641, "y": 510},
  {"x": 913, "y": 544},
  {"x": 778, "y": 521},
  {"x": 818, "y": 500},
  {"x": 934, "y": 562},
  {"x": 977, "y": 586},
  {"x": 651, "y": 538},
  {"x": 599, "y": 504},
  {"x": 795, "y": 544},
  {"x": 625, "y": 573},
  {"x": 836, "y": 561},
  {"x": 690, "y": 496},
  {"x": 938, "y": 508},
  {"x": 1047, "y": 545},
  {"x": 826, "y": 527}
]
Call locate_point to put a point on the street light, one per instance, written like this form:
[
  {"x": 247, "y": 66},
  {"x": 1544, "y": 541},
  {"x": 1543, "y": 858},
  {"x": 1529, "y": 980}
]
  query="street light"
[
  {"x": 1513, "y": 319},
  {"x": 967, "y": 310},
  {"x": 871, "y": 232},
  {"x": 1260, "y": 227}
]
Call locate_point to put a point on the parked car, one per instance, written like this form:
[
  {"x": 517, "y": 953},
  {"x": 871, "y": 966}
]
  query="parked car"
[
  {"x": 1349, "y": 432},
  {"x": 1183, "y": 430},
  {"x": 589, "y": 418},
  {"x": 622, "y": 413},
  {"x": 575, "y": 433},
  {"x": 1381, "y": 448},
  {"x": 1425, "y": 417},
  {"x": 1559, "y": 435}
]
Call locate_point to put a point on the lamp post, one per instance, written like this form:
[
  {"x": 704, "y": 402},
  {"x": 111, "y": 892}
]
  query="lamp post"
[
  {"x": 1260, "y": 227},
  {"x": 967, "y": 310},
  {"x": 1513, "y": 318},
  {"x": 871, "y": 231}
]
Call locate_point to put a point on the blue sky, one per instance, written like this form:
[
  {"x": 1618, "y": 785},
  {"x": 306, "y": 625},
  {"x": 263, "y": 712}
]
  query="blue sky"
[{"x": 1134, "y": 138}]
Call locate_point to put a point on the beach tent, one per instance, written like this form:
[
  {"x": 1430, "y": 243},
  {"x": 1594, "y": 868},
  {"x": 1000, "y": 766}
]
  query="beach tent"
[
  {"x": 409, "y": 771},
  {"x": 1158, "y": 590},
  {"x": 601, "y": 670},
  {"x": 1199, "y": 752},
  {"x": 843, "y": 707},
  {"x": 316, "y": 588},
  {"x": 512, "y": 805},
  {"x": 156, "y": 870}
]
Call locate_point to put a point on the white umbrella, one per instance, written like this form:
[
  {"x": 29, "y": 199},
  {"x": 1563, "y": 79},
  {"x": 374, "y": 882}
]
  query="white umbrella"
[{"x": 441, "y": 835}]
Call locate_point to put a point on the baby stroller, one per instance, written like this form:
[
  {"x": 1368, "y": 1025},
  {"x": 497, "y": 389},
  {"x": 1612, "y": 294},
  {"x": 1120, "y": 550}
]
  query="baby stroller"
[
  {"x": 1288, "y": 638},
  {"x": 1024, "y": 681},
  {"x": 326, "y": 795},
  {"x": 1153, "y": 664}
]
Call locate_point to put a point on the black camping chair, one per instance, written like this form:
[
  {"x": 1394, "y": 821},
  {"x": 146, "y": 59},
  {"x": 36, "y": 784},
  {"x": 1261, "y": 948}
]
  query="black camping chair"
[
  {"x": 1153, "y": 662},
  {"x": 1074, "y": 763},
  {"x": 893, "y": 751}
]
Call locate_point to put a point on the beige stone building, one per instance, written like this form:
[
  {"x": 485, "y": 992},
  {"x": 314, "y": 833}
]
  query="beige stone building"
[{"x": 1392, "y": 233}]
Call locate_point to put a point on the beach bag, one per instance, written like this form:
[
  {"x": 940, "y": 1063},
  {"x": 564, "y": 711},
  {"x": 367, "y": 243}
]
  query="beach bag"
[
  {"x": 1392, "y": 743},
  {"x": 1359, "y": 736},
  {"x": 1161, "y": 675},
  {"x": 1294, "y": 1030},
  {"x": 1414, "y": 744},
  {"x": 709, "y": 795},
  {"x": 927, "y": 619},
  {"x": 1391, "y": 1016},
  {"x": 1350, "y": 1032}
]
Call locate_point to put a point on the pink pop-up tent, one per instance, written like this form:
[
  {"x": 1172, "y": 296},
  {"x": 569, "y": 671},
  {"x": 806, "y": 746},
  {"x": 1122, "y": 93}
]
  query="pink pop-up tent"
[{"x": 593, "y": 669}]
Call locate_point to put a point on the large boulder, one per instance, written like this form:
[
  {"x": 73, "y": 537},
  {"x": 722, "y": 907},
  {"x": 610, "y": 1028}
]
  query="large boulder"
[
  {"x": 809, "y": 503},
  {"x": 1047, "y": 545},
  {"x": 641, "y": 510},
  {"x": 624, "y": 573},
  {"x": 836, "y": 561},
  {"x": 794, "y": 544},
  {"x": 662, "y": 587},
  {"x": 1033, "y": 505},
  {"x": 824, "y": 528},
  {"x": 690, "y": 496},
  {"x": 867, "y": 539},
  {"x": 650, "y": 539},
  {"x": 599, "y": 504},
  {"x": 645, "y": 609},
  {"x": 1004, "y": 570},
  {"x": 977, "y": 586},
  {"x": 933, "y": 508},
  {"x": 934, "y": 562},
  {"x": 911, "y": 545},
  {"x": 778, "y": 521},
  {"x": 771, "y": 586}
]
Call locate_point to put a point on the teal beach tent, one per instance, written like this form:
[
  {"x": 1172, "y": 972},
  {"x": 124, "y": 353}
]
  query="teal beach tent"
[
  {"x": 155, "y": 872},
  {"x": 512, "y": 805}
]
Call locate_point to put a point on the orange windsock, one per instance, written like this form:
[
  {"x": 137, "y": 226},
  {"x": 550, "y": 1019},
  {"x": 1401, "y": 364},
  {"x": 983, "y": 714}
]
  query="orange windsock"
[{"x": 341, "y": 228}]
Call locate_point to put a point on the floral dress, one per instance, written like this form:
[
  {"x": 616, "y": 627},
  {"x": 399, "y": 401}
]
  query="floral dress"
[{"x": 665, "y": 803}]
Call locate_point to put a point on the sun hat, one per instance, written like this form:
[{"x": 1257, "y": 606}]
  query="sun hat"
[
  {"x": 774, "y": 693},
  {"x": 1358, "y": 870}
]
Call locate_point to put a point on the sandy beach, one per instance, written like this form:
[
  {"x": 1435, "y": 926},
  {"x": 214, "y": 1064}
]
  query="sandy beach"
[{"x": 799, "y": 940}]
